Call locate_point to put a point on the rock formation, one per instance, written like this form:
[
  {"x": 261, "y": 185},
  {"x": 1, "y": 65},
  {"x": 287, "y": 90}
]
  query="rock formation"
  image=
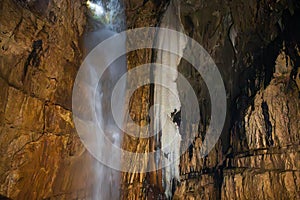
[
  {"x": 255, "y": 45},
  {"x": 41, "y": 154}
]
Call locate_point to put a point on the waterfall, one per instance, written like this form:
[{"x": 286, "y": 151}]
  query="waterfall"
[
  {"x": 106, "y": 18},
  {"x": 163, "y": 96}
]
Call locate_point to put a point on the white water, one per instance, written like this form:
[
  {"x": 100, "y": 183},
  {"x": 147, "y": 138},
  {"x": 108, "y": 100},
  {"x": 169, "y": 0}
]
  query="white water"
[
  {"x": 107, "y": 185},
  {"x": 107, "y": 181},
  {"x": 162, "y": 96}
]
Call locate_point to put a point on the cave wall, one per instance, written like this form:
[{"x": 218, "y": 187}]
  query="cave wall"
[
  {"x": 41, "y": 154},
  {"x": 257, "y": 156},
  {"x": 141, "y": 185},
  {"x": 245, "y": 39}
]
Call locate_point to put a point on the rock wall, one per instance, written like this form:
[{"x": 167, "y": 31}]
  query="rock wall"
[
  {"x": 257, "y": 154},
  {"x": 255, "y": 44},
  {"x": 141, "y": 185},
  {"x": 266, "y": 165},
  {"x": 41, "y": 154}
]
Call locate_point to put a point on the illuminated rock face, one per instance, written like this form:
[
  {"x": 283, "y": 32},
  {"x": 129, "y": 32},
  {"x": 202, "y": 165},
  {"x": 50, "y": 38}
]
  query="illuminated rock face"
[
  {"x": 259, "y": 137},
  {"x": 253, "y": 159},
  {"x": 257, "y": 156},
  {"x": 41, "y": 154}
]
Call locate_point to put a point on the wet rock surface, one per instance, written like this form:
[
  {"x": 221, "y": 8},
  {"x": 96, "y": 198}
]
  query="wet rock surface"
[
  {"x": 41, "y": 154},
  {"x": 134, "y": 185},
  {"x": 257, "y": 154},
  {"x": 255, "y": 44},
  {"x": 255, "y": 47}
]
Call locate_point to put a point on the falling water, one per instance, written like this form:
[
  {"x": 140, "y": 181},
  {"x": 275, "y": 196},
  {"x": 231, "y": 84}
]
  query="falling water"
[
  {"x": 105, "y": 19},
  {"x": 170, "y": 131}
]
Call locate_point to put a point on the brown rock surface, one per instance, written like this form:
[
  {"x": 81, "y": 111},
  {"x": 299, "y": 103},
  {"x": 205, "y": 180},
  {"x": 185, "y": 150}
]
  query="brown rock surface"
[
  {"x": 257, "y": 156},
  {"x": 41, "y": 154},
  {"x": 267, "y": 165},
  {"x": 139, "y": 15},
  {"x": 261, "y": 159}
]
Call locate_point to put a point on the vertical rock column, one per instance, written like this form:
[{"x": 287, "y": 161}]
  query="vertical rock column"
[{"x": 136, "y": 185}]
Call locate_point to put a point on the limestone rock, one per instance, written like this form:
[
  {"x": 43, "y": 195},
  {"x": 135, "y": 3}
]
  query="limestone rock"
[{"x": 41, "y": 154}]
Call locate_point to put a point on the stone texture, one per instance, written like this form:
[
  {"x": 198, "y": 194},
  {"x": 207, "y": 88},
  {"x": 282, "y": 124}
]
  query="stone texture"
[
  {"x": 257, "y": 156},
  {"x": 260, "y": 140},
  {"x": 41, "y": 155},
  {"x": 141, "y": 185},
  {"x": 266, "y": 164}
]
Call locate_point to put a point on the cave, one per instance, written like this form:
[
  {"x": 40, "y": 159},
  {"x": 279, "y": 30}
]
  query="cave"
[{"x": 149, "y": 99}]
